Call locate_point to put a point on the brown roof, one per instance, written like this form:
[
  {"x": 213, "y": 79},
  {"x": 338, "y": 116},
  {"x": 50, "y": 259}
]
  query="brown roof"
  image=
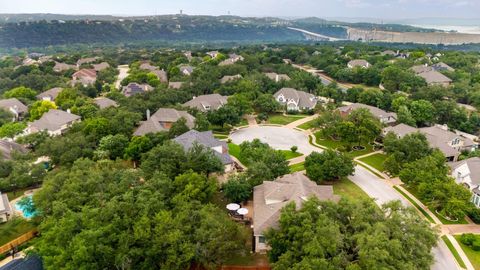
[
  {"x": 157, "y": 121},
  {"x": 91, "y": 73},
  {"x": 207, "y": 102},
  {"x": 434, "y": 77},
  {"x": 101, "y": 66},
  {"x": 51, "y": 93},
  {"x": 358, "y": 63},
  {"x": 13, "y": 104},
  {"x": 103, "y": 102},
  {"x": 226, "y": 79}
]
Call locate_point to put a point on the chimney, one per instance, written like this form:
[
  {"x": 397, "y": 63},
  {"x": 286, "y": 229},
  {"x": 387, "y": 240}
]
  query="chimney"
[
  {"x": 68, "y": 111},
  {"x": 148, "y": 114}
]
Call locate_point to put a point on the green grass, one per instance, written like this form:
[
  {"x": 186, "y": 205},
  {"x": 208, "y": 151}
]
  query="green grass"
[
  {"x": 332, "y": 144},
  {"x": 349, "y": 190},
  {"x": 280, "y": 119},
  {"x": 415, "y": 204},
  {"x": 13, "y": 229},
  {"x": 370, "y": 170},
  {"x": 288, "y": 154},
  {"x": 16, "y": 193},
  {"x": 376, "y": 161},
  {"x": 473, "y": 256},
  {"x": 297, "y": 167},
  {"x": 308, "y": 125},
  {"x": 220, "y": 136},
  {"x": 243, "y": 122},
  {"x": 455, "y": 252}
]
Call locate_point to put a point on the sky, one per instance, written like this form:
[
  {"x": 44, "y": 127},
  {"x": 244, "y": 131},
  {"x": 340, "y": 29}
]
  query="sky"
[{"x": 384, "y": 9}]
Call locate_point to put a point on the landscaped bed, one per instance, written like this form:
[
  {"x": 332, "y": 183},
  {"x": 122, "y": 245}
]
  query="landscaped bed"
[
  {"x": 375, "y": 161},
  {"x": 473, "y": 256},
  {"x": 234, "y": 150},
  {"x": 339, "y": 145},
  {"x": 280, "y": 119}
]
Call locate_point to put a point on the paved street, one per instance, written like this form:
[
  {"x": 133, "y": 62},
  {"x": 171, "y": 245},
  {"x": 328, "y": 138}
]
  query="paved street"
[{"x": 383, "y": 192}]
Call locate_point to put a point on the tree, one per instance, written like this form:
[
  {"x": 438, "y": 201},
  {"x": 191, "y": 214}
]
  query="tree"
[
  {"x": 113, "y": 146},
  {"x": 266, "y": 103},
  {"x": 405, "y": 116},
  {"x": 137, "y": 146},
  {"x": 22, "y": 93},
  {"x": 11, "y": 129},
  {"x": 201, "y": 122},
  {"x": 237, "y": 188},
  {"x": 400, "y": 151},
  {"x": 178, "y": 128},
  {"x": 224, "y": 115},
  {"x": 241, "y": 103},
  {"x": 40, "y": 107},
  {"x": 422, "y": 111},
  {"x": 328, "y": 165},
  {"x": 5, "y": 117},
  {"x": 348, "y": 235}
]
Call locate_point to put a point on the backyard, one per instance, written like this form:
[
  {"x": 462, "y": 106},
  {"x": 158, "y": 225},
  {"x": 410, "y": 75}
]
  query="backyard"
[
  {"x": 473, "y": 256},
  {"x": 13, "y": 229}
]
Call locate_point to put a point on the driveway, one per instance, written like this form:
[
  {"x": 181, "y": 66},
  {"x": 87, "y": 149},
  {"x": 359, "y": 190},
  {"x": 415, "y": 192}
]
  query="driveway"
[
  {"x": 382, "y": 192},
  {"x": 122, "y": 74},
  {"x": 280, "y": 138}
]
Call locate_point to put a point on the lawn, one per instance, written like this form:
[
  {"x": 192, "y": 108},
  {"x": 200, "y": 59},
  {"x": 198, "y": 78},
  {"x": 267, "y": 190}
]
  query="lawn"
[
  {"x": 347, "y": 189},
  {"x": 234, "y": 150},
  {"x": 220, "y": 136},
  {"x": 15, "y": 194},
  {"x": 473, "y": 256},
  {"x": 376, "y": 161},
  {"x": 455, "y": 252},
  {"x": 280, "y": 119},
  {"x": 308, "y": 125},
  {"x": 243, "y": 122},
  {"x": 289, "y": 154},
  {"x": 13, "y": 229},
  {"x": 332, "y": 144},
  {"x": 297, "y": 167},
  {"x": 415, "y": 204}
]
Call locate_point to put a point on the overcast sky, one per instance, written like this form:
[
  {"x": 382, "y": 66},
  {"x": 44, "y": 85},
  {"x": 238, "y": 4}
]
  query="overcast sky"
[{"x": 388, "y": 9}]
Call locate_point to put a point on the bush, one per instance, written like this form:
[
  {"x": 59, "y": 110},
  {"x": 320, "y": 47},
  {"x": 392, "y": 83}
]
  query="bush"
[
  {"x": 237, "y": 189},
  {"x": 294, "y": 149},
  {"x": 262, "y": 116},
  {"x": 467, "y": 239},
  {"x": 474, "y": 215}
]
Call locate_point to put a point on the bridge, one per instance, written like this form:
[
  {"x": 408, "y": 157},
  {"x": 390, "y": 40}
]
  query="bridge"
[{"x": 313, "y": 36}]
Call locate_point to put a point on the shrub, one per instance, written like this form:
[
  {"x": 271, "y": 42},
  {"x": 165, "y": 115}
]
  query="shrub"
[
  {"x": 474, "y": 215},
  {"x": 467, "y": 239},
  {"x": 294, "y": 149}
]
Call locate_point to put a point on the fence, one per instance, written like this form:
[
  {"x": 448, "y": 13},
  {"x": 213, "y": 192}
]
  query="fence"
[
  {"x": 231, "y": 267},
  {"x": 18, "y": 241}
]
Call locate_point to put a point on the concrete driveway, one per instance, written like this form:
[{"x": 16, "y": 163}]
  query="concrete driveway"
[
  {"x": 383, "y": 192},
  {"x": 280, "y": 138}
]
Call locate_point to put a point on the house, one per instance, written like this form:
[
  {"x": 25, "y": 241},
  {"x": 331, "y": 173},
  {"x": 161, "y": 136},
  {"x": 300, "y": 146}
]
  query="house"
[
  {"x": 384, "y": 117},
  {"x": 13, "y": 105},
  {"x": 101, "y": 66},
  {"x": 175, "y": 85},
  {"x": 442, "y": 67},
  {"x": 213, "y": 54},
  {"x": 50, "y": 95},
  {"x": 232, "y": 59},
  {"x": 451, "y": 144},
  {"x": 421, "y": 68},
  {"x": 358, "y": 63},
  {"x": 29, "y": 61},
  {"x": 226, "y": 79},
  {"x": 59, "y": 67},
  {"x": 206, "y": 138},
  {"x": 389, "y": 53},
  {"x": 277, "y": 77},
  {"x": 186, "y": 70},
  {"x": 86, "y": 61},
  {"x": 55, "y": 122},
  {"x": 7, "y": 148},
  {"x": 103, "y": 102},
  {"x": 207, "y": 102},
  {"x": 270, "y": 197},
  {"x": 467, "y": 173},
  {"x": 161, "y": 75},
  {"x": 5, "y": 208},
  {"x": 295, "y": 100},
  {"x": 188, "y": 55},
  {"x": 147, "y": 66},
  {"x": 162, "y": 120},
  {"x": 135, "y": 88},
  {"x": 84, "y": 76},
  {"x": 435, "y": 78}
]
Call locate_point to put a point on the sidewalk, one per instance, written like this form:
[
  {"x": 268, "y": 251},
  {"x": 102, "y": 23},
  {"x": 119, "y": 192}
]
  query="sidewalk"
[
  {"x": 462, "y": 254},
  {"x": 299, "y": 122},
  {"x": 357, "y": 159}
]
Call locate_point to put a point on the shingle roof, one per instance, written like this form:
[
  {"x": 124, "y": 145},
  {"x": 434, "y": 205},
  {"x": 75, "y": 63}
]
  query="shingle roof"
[
  {"x": 189, "y": 69},
  {"x": 432, "y": 77},
  {"x": 86, "y": 60},
  {"x": 303, "y": 99},
  {"x": 400, "y": 129},
  {"x": 214, "y": 101},
  {"x": 358, "y": 63},
  {"x": 53, "y": 120},
  {"x": 442, "y": 66},
  {"x": 473, "y": 166},
  {"x": 147, "y": 66},
  {"x": 7, "y": 148},
  {"x": 13, "y": 103},
  {"x": 104, "y": 102},
  {"x": 101, "y": 66},
  {"x": 421, "y": 68},
  {"x": 205, "y": 138},
  {"x": 271, "y": 196},
  {"x": 62, "y": 67},
  {"x": 377, "y": 112},
  {"x": 163, "y": 115},
  {"x": 161, "y": 75},
  {"x": 277, "y": 77},
  {"x": 51, "y": 93},
  {"x": 82, "y": 73},
  {"x": 135, "y": 88},
  {"x": 175, "y": 85},
  {"x": 226, "y": 79}
]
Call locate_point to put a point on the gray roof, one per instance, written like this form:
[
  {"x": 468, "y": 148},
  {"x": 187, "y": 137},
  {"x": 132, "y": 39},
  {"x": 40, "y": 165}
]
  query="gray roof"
[
  {"x": 161, "y": 75},
  {"x": 51, "y": 93},
  {"x": 62, "y": 67},
  {"x": 175, "y": 85},
  {"x": 421, "y": 68},
  {"x": 104, "y": 102},
  {"x": 4, "y": 204},
  {"x": 442, "y": 66},
  {"x": 147, "y": 66},
  {"x": 134, "y": 88},
  {"x": 8, "y": 147},
  {"x": 161, "y": 120},
  {"x": 226, "y": 79},
  {"x": 13, "y": 103},
  {"x": 101, "y": 66},
  {"x": 226, "y": 62},
  {"x": 86, "y": 60},
  {"x": 214, "y": 101},
  {"x": 400, "y": 130},
  {"x": 189, "y": 69},
  {"x": 303, "y": 99},
  {"x": 205, "y": 138},
  {"x": 433, "y": 77},
  {"x": 271, "y": 196},
  {"x": 473, "y": 166},
  {"x": 377, "y": 112},
  {"x": 54, "y": 120},
  {"x": 277, "y": 77},
  {"x": 359, "y": 63}
]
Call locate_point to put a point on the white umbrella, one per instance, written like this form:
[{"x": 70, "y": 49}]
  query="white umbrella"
[
  {"x": 233, "y": 206},
  {"x": 242, "y": 211}
]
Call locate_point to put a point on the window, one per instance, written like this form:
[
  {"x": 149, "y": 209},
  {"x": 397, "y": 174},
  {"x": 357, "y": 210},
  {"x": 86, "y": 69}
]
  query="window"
[{"x": 261, "y": 239}]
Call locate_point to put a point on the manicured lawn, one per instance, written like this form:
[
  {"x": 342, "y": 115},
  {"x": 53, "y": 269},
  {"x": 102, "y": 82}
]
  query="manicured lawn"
[
  {"x": 473, "y": 256},
  {"x": 455, "y": 252},
  {"x": 347, "y": 189},
  {"x": 332, "y": 144},
  {"x": 297, "y": 167},
  {"x": 280, "y": 119},
  {"x": 308, "y": 125},
  {"x": 242, "y": 123},
  {"x": 13, "y": 229},
  {"x": 415, "y": 204},
  {"x": 376, "y": 161},
  {"x": 220, "y": 136},
  {"x": 289, "y": 154},
  {"x": 234, "y": 150}
]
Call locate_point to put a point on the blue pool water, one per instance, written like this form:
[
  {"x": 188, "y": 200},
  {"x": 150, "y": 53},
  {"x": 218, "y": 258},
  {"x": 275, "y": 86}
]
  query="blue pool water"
[{"x": 26, "y": 212}]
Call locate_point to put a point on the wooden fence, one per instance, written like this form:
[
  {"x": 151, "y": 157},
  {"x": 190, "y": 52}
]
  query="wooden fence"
[
  {"x": 232, "y": 267},
  {"x": 18, "y": 241}
]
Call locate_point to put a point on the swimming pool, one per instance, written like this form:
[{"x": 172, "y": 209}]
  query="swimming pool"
[{"x": 27, "y": 210}]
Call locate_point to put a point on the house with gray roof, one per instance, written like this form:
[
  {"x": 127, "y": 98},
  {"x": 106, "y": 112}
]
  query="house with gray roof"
[
  {"x": 435, "y": 78},
  {"x": 442, "y": 67},
  {"x": 50, "y": 95},
  {"x": 14, "y": 106},
  {"x": 295, "y": 100},
  {"x": 232, "y": 59},
  {"x": 84, "y": 76},
  {"x": 358, "y": 63},
  {"x": 161, "y": 75},
  {"x": 226, "y": 79},
  {"x": 5, "y": 208},
  {"x": 88, "y": 60},
  {"x": 162, "y": 120},
  {"x": 59, "y": 67},
  {"x": 55, "y": 122},
  {"x": 384, "y": 117},
  {"x": 421, "y": 68},
  {"x": 101, "y": 66},
  {"x": 7, "y": 148},
  {"x": 213, "y": 54},
  {"x": 148, "y": 66},
  {"x": 271, "y": 196},
  {"x": 467, "y": 173},
  {"x": 103, "y": 102},
  {"x": 134, "y": 88},
  {"x": 206, "y": 103},
  {"x": 206, "y": 138},
  {"x": 451, "y": 144},
  {"x": 186, "y": 70},
  {"x": 277, "y": 77}
]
